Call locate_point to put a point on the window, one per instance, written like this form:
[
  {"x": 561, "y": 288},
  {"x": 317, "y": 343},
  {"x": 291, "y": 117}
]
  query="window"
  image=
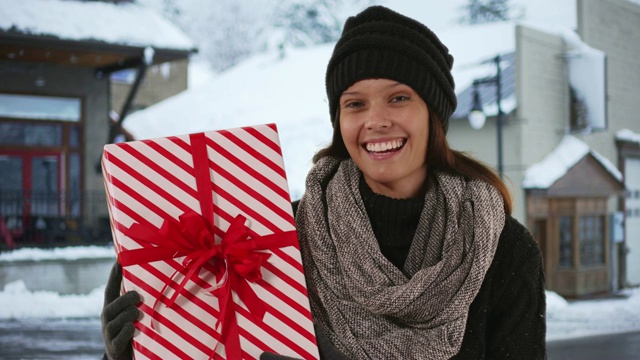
[
  {"x": 74, "y": 136},
  {"x": 36, "y": 107},
  {"x": 578, "y": 112},
  {"x": 74, "y": 184},
  {"x": 126, "y": 76},
  {"x": 565, "y": 229},
  {"x": 45, "y": 185},
  {"x": 10, "y": 186},
  {"x": 587, "y": 88},
  {"x": 591, "y": 241},
  {"x": 30, "y": 134}
]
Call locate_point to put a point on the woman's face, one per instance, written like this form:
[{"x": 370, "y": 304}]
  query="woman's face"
[{"x": 385, "y": 127}]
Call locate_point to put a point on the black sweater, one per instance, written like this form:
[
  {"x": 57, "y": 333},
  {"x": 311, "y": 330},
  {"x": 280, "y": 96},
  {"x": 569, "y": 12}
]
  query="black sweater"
[{"x": 507, "y": 319}]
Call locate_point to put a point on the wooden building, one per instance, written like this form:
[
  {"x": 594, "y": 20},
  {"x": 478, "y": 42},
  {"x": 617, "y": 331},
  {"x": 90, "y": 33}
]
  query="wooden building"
[
  {"x": 567, "y": 210},
  {"x": 56, "y": 58},
  {"x": 578, "y": 77}
]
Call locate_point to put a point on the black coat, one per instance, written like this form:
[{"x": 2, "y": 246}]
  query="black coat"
[{"x": 507, "y": 319}]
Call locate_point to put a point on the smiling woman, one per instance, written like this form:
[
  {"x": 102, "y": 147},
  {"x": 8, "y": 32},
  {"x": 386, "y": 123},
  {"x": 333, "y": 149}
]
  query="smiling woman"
[
  {"x": 408, "y": 246},
  {"x": 402, "y": 237}
]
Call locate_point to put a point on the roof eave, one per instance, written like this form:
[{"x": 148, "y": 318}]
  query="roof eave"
[{"x": 13, "y": 39}]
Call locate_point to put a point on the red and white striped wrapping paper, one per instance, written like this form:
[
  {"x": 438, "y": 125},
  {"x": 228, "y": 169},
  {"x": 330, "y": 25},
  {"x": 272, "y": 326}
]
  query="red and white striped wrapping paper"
[{"x": 152, "y": 182}]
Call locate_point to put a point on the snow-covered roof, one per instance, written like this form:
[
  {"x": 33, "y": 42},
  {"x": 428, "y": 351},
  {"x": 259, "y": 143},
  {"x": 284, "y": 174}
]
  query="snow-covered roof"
[
  {"x": 556, "y": 164},
  {"x": 122, "y": 24},
  {"x": 472, "y": 46},
  {"x": 489, "y": 40},
  {"x": 287, "y": 91},
  {"x": 290, "y": 90},
  {"x": 628, "y": 135}
]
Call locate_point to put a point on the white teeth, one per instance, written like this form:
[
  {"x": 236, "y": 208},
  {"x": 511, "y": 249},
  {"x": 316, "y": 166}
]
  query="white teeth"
[{"x": 385, "y": 146}]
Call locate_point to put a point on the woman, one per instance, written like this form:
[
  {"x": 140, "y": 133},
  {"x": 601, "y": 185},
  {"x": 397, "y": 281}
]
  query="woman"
[{"x": 409, "y": 248}]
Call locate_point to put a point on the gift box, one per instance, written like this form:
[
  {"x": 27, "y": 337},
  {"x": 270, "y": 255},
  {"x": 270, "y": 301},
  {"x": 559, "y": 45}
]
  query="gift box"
[{"x": 203, "y": 227}]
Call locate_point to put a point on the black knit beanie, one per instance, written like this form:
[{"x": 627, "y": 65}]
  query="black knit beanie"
[{"x": 380, "y": 43}]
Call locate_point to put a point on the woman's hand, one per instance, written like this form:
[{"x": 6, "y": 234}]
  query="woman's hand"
[{"x": 118, "y": 315}]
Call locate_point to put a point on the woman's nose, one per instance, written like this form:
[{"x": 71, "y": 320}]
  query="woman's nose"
[{"x": 378, "y": 118}]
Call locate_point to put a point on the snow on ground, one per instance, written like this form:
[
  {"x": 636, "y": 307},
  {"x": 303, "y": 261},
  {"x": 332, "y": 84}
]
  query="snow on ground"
[
  {"x": 18, "y": 302},
  {"x": 564, "y": 319},
  {"x": 69, "y": 253},
  {"x": 592, "y": 317}
]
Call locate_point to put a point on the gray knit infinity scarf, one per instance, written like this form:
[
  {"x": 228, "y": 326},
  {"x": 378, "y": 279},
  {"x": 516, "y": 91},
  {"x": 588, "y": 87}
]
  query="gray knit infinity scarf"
[{"x": 369, "y": 308}]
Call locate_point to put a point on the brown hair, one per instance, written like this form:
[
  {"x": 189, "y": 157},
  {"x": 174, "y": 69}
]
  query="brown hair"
[{"x": 439, "y": 156}]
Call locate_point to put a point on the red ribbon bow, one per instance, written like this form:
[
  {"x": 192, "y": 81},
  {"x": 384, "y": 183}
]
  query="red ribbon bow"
[{"x": 237, "y": 259}]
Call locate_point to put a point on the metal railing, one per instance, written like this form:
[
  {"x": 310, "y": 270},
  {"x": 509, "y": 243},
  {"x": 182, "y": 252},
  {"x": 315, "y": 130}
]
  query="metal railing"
[{"x": 51, "y": 219}]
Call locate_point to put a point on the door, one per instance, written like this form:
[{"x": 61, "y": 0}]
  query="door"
[
  {"x": 540, "y": 234},
  {"x": 29, "y": 191},
  {"x": 11, "y": 199}
]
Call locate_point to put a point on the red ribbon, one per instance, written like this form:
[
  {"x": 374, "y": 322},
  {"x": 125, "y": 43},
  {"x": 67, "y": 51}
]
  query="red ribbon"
[{"x": 237, "y": 259}]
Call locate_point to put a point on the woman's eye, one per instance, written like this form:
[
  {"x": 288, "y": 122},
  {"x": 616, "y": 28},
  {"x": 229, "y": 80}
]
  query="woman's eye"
[
  {"x": 353, "y": 105},
  {"x": 400, "y": 98}
]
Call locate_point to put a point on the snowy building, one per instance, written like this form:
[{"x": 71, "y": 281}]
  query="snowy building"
[
  {"x": 56, "y": 100},
  {"x": 568, "y": 88},
  {"x": 569, "y": 142}
]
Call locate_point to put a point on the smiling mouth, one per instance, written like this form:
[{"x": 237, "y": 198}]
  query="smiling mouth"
[{"x": 385, "y": 147}]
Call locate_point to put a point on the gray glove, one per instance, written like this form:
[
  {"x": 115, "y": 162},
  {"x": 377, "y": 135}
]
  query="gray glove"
[{"x": 118, "y": 315}]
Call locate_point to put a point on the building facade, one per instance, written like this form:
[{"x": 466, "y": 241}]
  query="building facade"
[
  {"x": 56, "y": 112},
  {"x": 585, "y": 221}
]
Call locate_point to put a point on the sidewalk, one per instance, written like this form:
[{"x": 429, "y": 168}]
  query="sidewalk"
[
  {"x": 82, "y": 339},
  {"x": 614, "y": 346}
]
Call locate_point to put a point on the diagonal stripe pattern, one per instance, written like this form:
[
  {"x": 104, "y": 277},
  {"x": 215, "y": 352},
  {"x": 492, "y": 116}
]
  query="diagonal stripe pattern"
[{"x": 150, "y": 181}]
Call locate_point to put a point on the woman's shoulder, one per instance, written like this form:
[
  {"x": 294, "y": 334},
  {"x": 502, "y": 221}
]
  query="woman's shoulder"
[
  {"x": 517, "y": 237},
  {"x": 516, "y": 247}
]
